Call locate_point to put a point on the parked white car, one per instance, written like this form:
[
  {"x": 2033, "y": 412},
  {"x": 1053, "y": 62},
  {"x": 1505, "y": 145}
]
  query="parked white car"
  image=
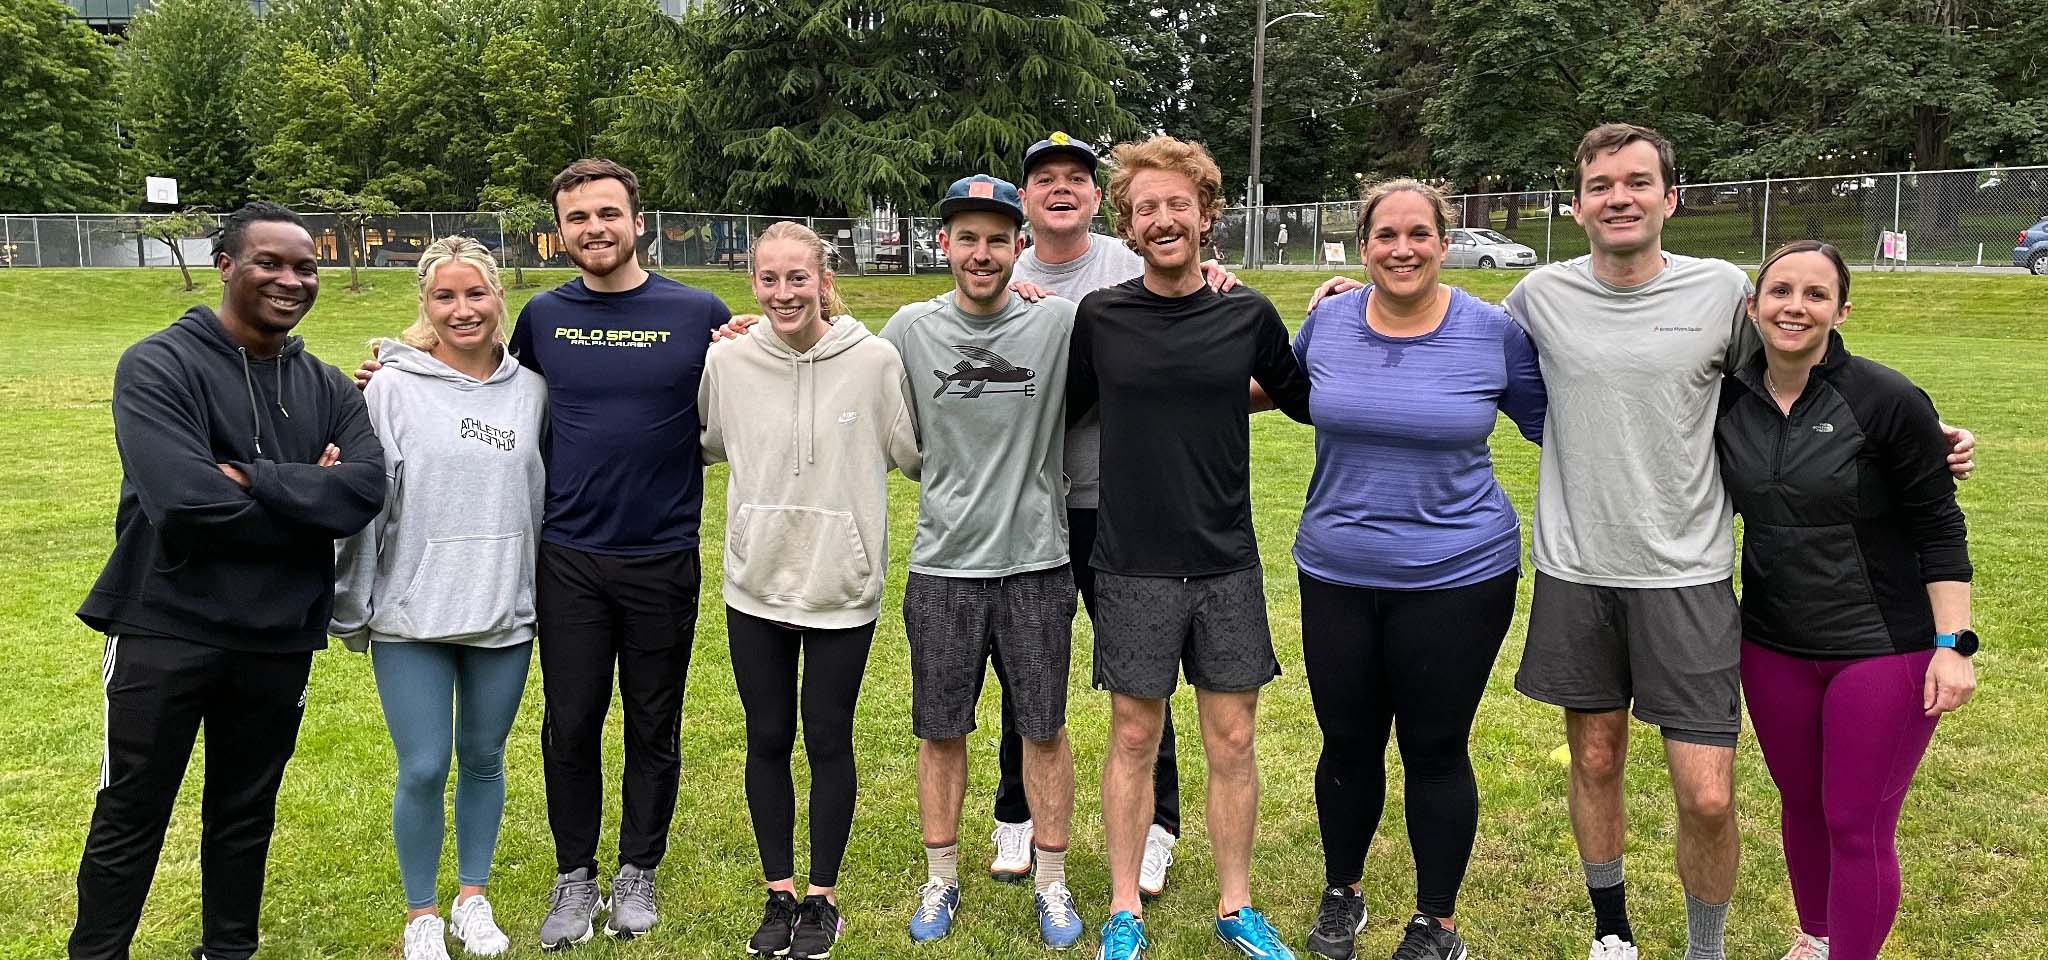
[{"x": 1486, "y": 250}]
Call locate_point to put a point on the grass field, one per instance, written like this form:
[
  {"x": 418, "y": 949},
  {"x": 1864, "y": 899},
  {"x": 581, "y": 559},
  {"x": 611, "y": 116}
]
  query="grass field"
[{"x": 1975, "y": 848}]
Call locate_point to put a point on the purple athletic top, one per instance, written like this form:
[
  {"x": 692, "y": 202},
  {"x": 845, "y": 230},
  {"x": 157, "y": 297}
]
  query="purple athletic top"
[{"x": 1403, "y": 496}]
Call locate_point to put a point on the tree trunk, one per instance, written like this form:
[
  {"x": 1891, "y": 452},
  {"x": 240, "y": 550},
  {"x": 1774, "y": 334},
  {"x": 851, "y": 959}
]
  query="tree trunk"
[
  {"x": 1514, "y": 212},
  {"x": 178, "y": 254},
  {"x": 352, "y": 243}
]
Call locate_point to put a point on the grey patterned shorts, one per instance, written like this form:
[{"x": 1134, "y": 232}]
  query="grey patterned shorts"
[
  {"x": 1149, "y": 628},
  {"x": 1024, "y": 621}
]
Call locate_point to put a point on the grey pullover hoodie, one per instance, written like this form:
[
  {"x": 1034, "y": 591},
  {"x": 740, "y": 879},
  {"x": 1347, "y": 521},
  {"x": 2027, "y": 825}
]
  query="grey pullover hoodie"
[
  {"x": 451, "y": 558},
  {"x": 811, "y": 437}
]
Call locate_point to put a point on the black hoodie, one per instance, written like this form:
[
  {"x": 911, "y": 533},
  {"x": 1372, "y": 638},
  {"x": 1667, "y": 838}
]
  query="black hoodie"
[{"x": 197, "y": 557}]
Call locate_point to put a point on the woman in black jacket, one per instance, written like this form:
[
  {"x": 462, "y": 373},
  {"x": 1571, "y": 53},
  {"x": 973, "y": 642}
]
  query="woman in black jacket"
[{"x": 1856, "y": 593}]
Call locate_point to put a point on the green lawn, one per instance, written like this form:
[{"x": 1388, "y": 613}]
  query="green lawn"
[{"x": 1975, "y": 850}]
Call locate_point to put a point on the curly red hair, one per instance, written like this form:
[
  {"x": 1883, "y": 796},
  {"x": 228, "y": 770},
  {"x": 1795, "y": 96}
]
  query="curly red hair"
[{"x": 1162, "y": 152}]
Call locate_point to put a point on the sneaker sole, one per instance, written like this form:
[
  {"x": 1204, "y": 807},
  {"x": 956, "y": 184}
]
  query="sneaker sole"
[
  {"x": 1150, "y": 895},
  {"x": 1000, "y": 875},
  {"x": 588, "y": 932},
  {"x": 624, "y": 934}
]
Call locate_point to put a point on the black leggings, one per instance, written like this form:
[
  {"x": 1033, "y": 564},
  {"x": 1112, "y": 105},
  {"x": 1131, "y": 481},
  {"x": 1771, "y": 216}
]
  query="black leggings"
[
  {"x": 764, "y": 665},
  {"x": 1414, "y": 662}
]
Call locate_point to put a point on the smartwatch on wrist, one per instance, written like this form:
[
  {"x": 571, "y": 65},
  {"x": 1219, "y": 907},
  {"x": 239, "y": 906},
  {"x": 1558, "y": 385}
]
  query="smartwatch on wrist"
[{"x": 1962, "y": 641}]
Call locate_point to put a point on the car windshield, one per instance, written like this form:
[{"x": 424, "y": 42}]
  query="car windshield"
[{"x": 1488, "y": 236}]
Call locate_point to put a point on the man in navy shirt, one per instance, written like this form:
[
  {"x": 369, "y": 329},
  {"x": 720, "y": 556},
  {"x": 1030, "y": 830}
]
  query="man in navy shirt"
[{"x": 617, "y": 576}]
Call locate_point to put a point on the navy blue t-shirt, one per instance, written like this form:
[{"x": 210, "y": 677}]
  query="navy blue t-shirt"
[{"x": 624, "y": 474}]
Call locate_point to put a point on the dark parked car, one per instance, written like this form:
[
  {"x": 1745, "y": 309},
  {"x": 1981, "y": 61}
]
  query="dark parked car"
[
  {"x": 398, "y": 252},
  {"x": 2032, "y": 252}
]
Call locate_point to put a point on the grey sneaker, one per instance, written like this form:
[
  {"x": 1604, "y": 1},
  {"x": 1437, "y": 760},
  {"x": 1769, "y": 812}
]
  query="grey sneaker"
[
  {"x": 572, "y": 907},
  {"x": 632, "y": 903}
]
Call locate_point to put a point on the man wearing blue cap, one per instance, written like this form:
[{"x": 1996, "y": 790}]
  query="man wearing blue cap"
[{"x": 989, "y": 572}]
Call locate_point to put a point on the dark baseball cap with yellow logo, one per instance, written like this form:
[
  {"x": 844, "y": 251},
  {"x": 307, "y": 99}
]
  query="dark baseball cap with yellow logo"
[{"x": 1060, "y": 145}]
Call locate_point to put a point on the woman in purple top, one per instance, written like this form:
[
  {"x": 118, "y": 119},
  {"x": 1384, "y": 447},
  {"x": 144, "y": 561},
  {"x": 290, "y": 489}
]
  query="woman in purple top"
[{"x": 1408, "y": 553}]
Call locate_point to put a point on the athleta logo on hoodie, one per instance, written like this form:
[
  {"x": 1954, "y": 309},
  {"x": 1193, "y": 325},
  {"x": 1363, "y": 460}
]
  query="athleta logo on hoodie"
[{"x": 500, "y": 437}]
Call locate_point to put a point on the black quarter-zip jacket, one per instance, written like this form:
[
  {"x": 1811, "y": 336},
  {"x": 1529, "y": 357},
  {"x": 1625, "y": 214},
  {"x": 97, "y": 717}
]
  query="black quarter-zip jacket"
[
  {"x": 197, "y": 557},
  {"x": 1847, "y": 505}
]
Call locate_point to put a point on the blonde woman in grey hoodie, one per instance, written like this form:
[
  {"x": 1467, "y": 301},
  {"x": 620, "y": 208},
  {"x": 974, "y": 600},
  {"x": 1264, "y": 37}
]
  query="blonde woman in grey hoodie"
[
  {"x": 811, "y": 410},
  {"x": 439, "y": 588}
]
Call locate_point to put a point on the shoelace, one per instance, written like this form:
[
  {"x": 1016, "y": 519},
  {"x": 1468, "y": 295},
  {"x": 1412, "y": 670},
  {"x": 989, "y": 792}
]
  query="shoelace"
[
  {"x": 1806, "y": 948},
  {"x": 1011, "y": 842},
  {"x": 1157, "y": 851},
  {"x": 933, "y": 897},
  {"x": 1059, "y": 905},
  {"x": 779, "y": 908},
  {"x": 584, "y": 893},
  {"x": 637, "y": 889},
  {"x": 1417, "y": 944},
  {"x": 1260, "y": 933},
  {"x": 1123, "y": 935},
  {"x": 476, "y": 917},
  {"x": 1333, "y": 921},
  {"x": 815, "y": 913}
]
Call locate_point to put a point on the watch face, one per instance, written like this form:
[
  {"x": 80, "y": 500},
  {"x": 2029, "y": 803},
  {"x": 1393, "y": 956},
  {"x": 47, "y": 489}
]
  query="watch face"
[{"x": 1966, "y": 642}]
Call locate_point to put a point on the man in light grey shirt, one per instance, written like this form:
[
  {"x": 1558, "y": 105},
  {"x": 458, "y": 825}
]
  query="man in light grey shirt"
[{"x": 989, "y": 571}]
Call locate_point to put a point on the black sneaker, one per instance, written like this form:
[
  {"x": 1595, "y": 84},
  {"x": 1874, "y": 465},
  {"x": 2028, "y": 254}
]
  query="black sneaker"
[
  {"x": 1338, "y": 919},
  {"x": 817, "y": 929},
  {"x": 778, "y": 924},
  {"x": 1426, "y": 939}
]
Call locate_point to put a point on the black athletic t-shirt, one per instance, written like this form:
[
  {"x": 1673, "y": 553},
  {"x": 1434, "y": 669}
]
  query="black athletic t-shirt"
[{"x": 1170, "y": 374}]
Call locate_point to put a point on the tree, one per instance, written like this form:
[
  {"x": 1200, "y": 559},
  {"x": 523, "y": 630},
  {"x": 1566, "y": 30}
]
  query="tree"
[
  {"x": 353, "y": 211},
  {"x": 325, "y": 138},
  {"x": 59, "y": 149},
  {"x": 182, "y": 70},
  {"x": 517, "y": 215},
  {"x": 858, "y": 101},
  {"x": 173, "y": 229}
]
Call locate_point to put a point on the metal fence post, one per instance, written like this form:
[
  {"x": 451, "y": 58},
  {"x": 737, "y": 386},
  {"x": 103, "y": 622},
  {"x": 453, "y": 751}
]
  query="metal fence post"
[
  {"x": 1898, "y": 188},
  {"x": 1764, "y": 244},
  {"x": 7, "y": 239},
  {"x": 1549, "y": 207},
  {"x": 35, "y": 226},
  {"x": 659, "y": 237},
  {"x": 1315, "y": 235},
  {"x": 78, "y": 227}
]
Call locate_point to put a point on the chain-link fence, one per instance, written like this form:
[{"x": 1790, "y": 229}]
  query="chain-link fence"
[{"x": 1949, "y": 218}]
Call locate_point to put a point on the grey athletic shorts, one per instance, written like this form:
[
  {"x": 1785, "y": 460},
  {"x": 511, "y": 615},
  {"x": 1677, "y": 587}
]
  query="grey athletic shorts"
[
  {"x": 1025, "y": 621},
  {"x": 1669, "y": 651},
  {"x": 1148, "y": 629}
]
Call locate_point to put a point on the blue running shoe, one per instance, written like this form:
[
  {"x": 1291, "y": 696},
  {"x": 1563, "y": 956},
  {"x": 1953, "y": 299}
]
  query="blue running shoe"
[
  {"x": 1123, "y": 938},
  {"x": 1248, "y": 931},
  {"x": 1058, "y": 923},
  {"x": 937, "y": 901}
]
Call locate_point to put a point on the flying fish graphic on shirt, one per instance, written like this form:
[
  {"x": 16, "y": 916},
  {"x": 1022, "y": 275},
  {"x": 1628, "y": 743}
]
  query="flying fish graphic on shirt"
[{"x": 974, "y": 376}]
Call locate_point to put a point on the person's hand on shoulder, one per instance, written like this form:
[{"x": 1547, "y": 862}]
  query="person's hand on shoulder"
[
  {"x": 1331, "y": 288},
  {"x": 1962, "y": 460},
  {"x": 1030, "y": 291},
  {"x": 367, "y": 370},
  {"x": 1219, "y": 279},
  {"x": 736, "y": 327}
]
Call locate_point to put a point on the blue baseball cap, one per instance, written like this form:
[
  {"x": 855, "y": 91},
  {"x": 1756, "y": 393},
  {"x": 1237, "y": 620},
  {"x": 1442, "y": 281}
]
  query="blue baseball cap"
[
  {"x": 1060, "y": 145},
  {"x": 982, "y": 192}
]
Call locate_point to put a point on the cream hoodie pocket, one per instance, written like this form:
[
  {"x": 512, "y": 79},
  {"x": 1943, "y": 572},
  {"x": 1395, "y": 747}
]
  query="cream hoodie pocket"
[
  {"x": 468, "y": 586},
  {"x": 807, "y": 556}
]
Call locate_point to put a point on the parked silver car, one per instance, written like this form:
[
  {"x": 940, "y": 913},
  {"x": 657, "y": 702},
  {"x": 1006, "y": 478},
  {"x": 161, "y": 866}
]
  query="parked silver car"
[{"x": 1486, "y": 250}]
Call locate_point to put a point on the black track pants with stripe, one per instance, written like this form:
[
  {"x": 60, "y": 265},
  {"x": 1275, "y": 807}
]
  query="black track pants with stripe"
[{"x": 159, "y": 692}]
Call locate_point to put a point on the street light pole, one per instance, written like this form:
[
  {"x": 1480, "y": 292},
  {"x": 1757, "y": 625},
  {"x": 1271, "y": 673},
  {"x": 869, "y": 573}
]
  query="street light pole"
[{"x": 1254, "y": 199}]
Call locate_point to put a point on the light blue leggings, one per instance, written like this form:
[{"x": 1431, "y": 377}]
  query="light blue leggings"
[{"x": 438, "y": 695}]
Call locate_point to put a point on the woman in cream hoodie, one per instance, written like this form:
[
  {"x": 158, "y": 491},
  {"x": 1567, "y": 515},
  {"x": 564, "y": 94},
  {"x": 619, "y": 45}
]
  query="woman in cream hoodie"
[
  {"x": 812, "y": 412},
  {"x": 439, "y": 588}
]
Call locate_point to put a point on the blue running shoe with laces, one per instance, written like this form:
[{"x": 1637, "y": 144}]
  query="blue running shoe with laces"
[
  {"x": 1059, "y": 925},
  {"x": 937, "y": 901},
  {"x": 1248, "y": 932},
  {"x": 1123, "y": 938}
]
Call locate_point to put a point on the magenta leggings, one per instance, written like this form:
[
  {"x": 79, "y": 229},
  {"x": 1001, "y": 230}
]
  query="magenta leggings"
[{"x": 1842, "y": 739}]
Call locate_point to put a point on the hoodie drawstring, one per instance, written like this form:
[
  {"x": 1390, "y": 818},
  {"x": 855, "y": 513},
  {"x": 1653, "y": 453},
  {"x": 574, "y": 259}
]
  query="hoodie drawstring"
[
  {"x": 803, "y": 441},
  {"x": 255, "y": 415}
]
